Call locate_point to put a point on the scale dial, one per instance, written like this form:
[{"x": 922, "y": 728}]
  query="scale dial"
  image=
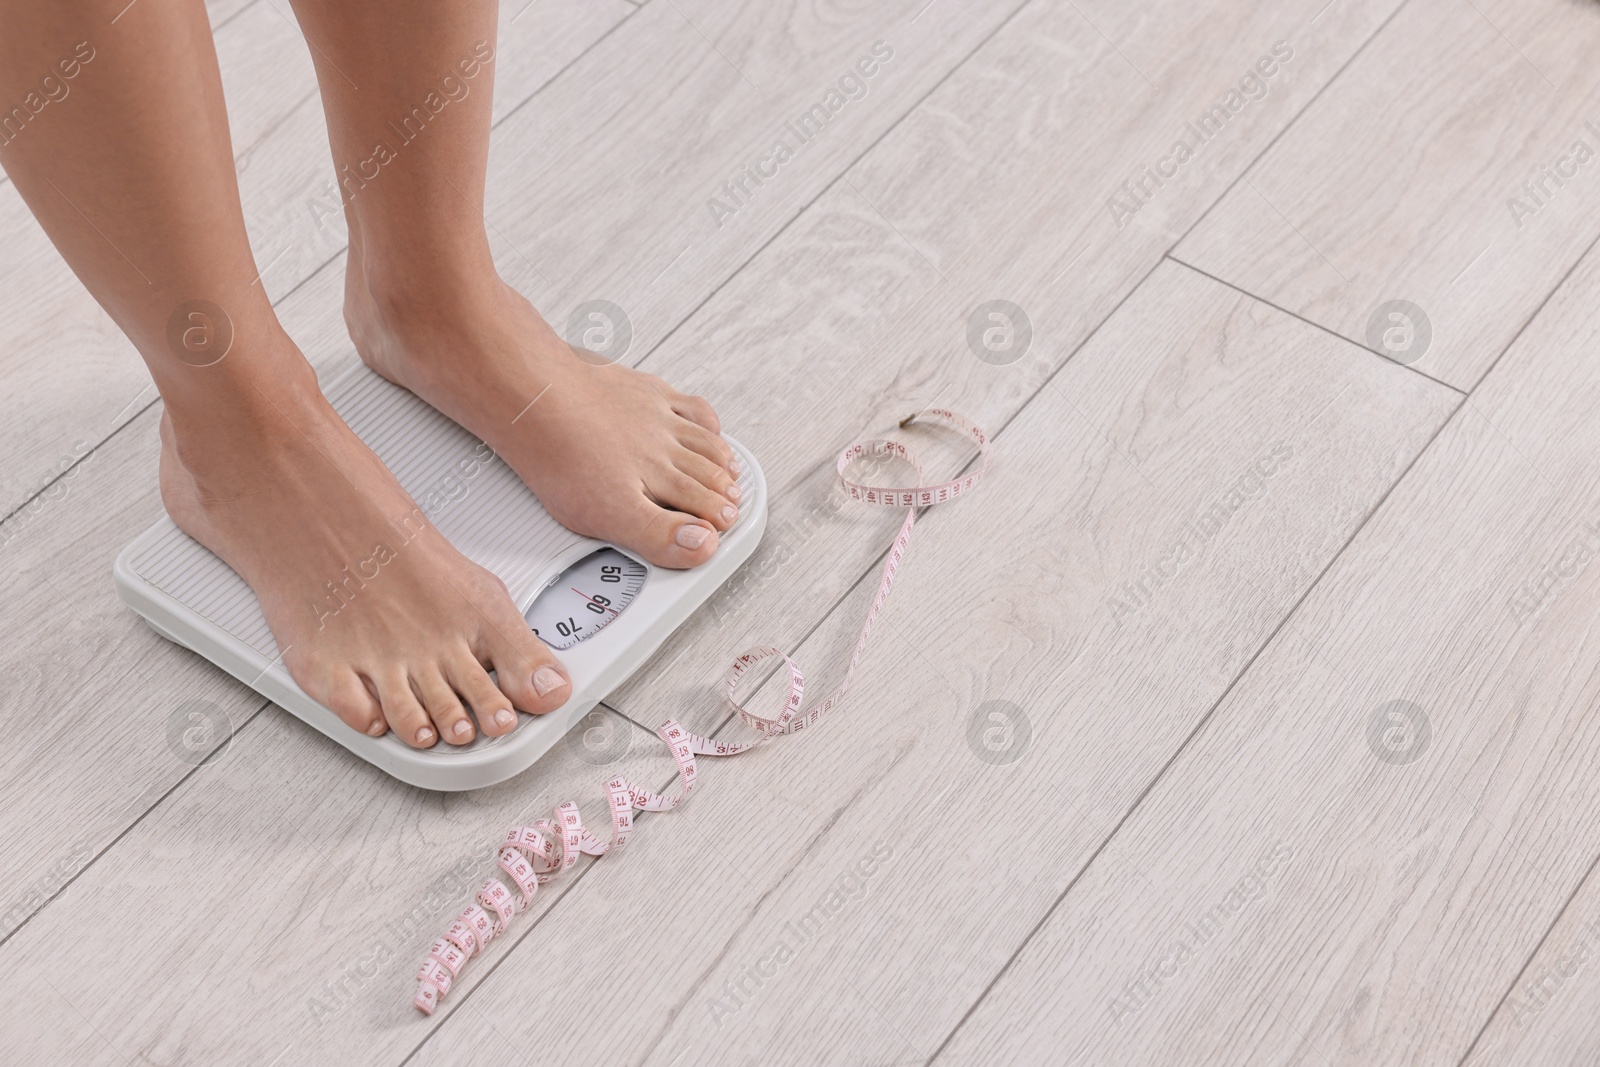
[{"x": 586, "y": 597}]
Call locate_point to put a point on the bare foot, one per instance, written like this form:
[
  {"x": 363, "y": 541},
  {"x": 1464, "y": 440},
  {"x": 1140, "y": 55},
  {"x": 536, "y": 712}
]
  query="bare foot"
[
  {"x": 612, "y": 453},
  {"x": 378, "y": 616}
]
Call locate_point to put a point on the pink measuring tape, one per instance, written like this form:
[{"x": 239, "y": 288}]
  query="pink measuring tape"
[{"x": 533, "y": 855}]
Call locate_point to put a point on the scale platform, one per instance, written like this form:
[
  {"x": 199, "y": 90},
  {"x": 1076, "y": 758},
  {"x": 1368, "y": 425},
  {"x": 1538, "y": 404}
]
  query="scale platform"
[{"x": 602, "y": 609}]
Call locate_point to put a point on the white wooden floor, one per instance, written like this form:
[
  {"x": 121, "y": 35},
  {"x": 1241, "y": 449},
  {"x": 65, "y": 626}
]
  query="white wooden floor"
[{"x": 1290, "y": 641}]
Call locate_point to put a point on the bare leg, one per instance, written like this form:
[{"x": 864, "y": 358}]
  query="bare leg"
[
  {"x": 130, "y": 172},
  {"x": 611, "y": 452}
]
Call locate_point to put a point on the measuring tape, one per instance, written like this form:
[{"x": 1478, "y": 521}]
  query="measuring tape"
[{"x": 533, "y": 855}]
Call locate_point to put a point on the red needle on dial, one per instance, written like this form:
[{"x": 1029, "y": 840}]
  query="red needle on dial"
[{"x": 593, "y": 601}]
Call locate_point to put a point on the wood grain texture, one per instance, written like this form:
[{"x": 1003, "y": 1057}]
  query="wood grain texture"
[
  {"x": 1157, "y": 419},
  {"x": 258, "y": 930},
  {"x": 859, "y": 313},
  {"x": 1428, "y": 203},
  {"x": 71, "y": 377},
  {"x": 41, "y": 540},
  {"x": 97, "y": 703},
  {"x": 582, "y": 202},
  {"x": 75, "y": 654},
  {"x": 266, "y": 71},
  {"x": 817, "y": 328},
  {"x": 853, "y": 316},
  {"x": 1427, "y": 854},
  {"x": 1548, "y": 1015}
]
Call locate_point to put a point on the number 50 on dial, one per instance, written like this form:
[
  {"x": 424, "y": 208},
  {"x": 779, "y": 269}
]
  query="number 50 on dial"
[{"x": 586, "y": 597}]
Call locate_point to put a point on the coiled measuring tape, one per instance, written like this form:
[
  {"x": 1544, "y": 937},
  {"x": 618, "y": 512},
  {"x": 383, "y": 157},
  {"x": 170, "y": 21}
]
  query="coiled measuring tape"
[{"x": 534, "y": 855}]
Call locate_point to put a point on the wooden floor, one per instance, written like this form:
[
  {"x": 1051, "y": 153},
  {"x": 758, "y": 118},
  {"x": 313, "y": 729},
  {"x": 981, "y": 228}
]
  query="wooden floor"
[{"x": 1246, "y": 716}]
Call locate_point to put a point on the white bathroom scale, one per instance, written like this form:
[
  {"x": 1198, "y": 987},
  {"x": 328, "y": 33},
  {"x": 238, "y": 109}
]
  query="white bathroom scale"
[{"x": 602, "y": 609}]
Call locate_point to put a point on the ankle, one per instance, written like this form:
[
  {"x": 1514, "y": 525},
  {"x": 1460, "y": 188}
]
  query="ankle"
[
  {"x": 456, "y": 287},
  {"x": 245, "y": 417}
]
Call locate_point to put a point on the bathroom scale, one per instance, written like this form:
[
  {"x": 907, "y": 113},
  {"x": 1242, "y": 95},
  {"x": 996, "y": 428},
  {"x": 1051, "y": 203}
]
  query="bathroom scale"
[{"x": 601, "y": 608}]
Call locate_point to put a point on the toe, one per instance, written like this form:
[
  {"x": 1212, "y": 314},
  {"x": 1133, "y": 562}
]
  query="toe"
[
  {"x": 405, "y": 713},
  {"x": 708, "y": 473},
  {"x": 697, "y": 409},
  {"x": 350, "y": 699},
  {"x": 528, "y": 675},
  {"x": 490, "y": 706},
  {"x": 443, "y": 706},
  {"x": 670, "y": 538},
  {"x": 678, "y": 490},
  {"x": 708, "y": 444},
  {"x": 527, "y": 672}
]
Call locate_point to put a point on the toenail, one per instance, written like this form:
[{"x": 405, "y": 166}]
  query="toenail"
[
  {"x": 690, "y": 536},
  {"x": 462, "y": 728},
  {"x": 424, "y": 735},
  {"x": 734, "y": 465},
  {"x": 504, "y": 717},
  {"x": 729, "y": 513},
  {"x": 735, "y": 494},
  {"x": 377, "y": 728},
  {"x": 547, "y": 678}
]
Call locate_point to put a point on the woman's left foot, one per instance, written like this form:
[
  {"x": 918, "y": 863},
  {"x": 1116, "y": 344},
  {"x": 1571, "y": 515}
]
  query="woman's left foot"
[{"x": 611, "y": 452}]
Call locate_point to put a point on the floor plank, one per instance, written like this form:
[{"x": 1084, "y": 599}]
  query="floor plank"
[
  {"x": 892, "y": 262},
  {"x": 1346, "y": 214},
  {"x": 298, "y": 927},
  {"x": 1548, "y": 1015},
  {"x": 110, "y": 703},
  {"x": 1415, "y": 854},
  {"x": 266, "y": 71},
  {"x": 1094, "y": 481},
  {"x": 795, "y": 336},
  {"x": 1042, "y": 121}
]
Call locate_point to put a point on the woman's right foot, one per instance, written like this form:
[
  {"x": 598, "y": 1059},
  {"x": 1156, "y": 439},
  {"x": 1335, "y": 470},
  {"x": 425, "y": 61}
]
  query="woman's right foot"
[{"x": 377, "y": 616}]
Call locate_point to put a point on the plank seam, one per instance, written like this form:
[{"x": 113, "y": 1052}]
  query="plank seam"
[
  {"x": 1315, "y": 325},
  {"x": 1533, "y": 955},
  {"x": 865, "y": 575},
  {"x": 232, "y": 736},
  {"x": 798, "y": 214},
  {"x": 1201, "y": 725}
]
